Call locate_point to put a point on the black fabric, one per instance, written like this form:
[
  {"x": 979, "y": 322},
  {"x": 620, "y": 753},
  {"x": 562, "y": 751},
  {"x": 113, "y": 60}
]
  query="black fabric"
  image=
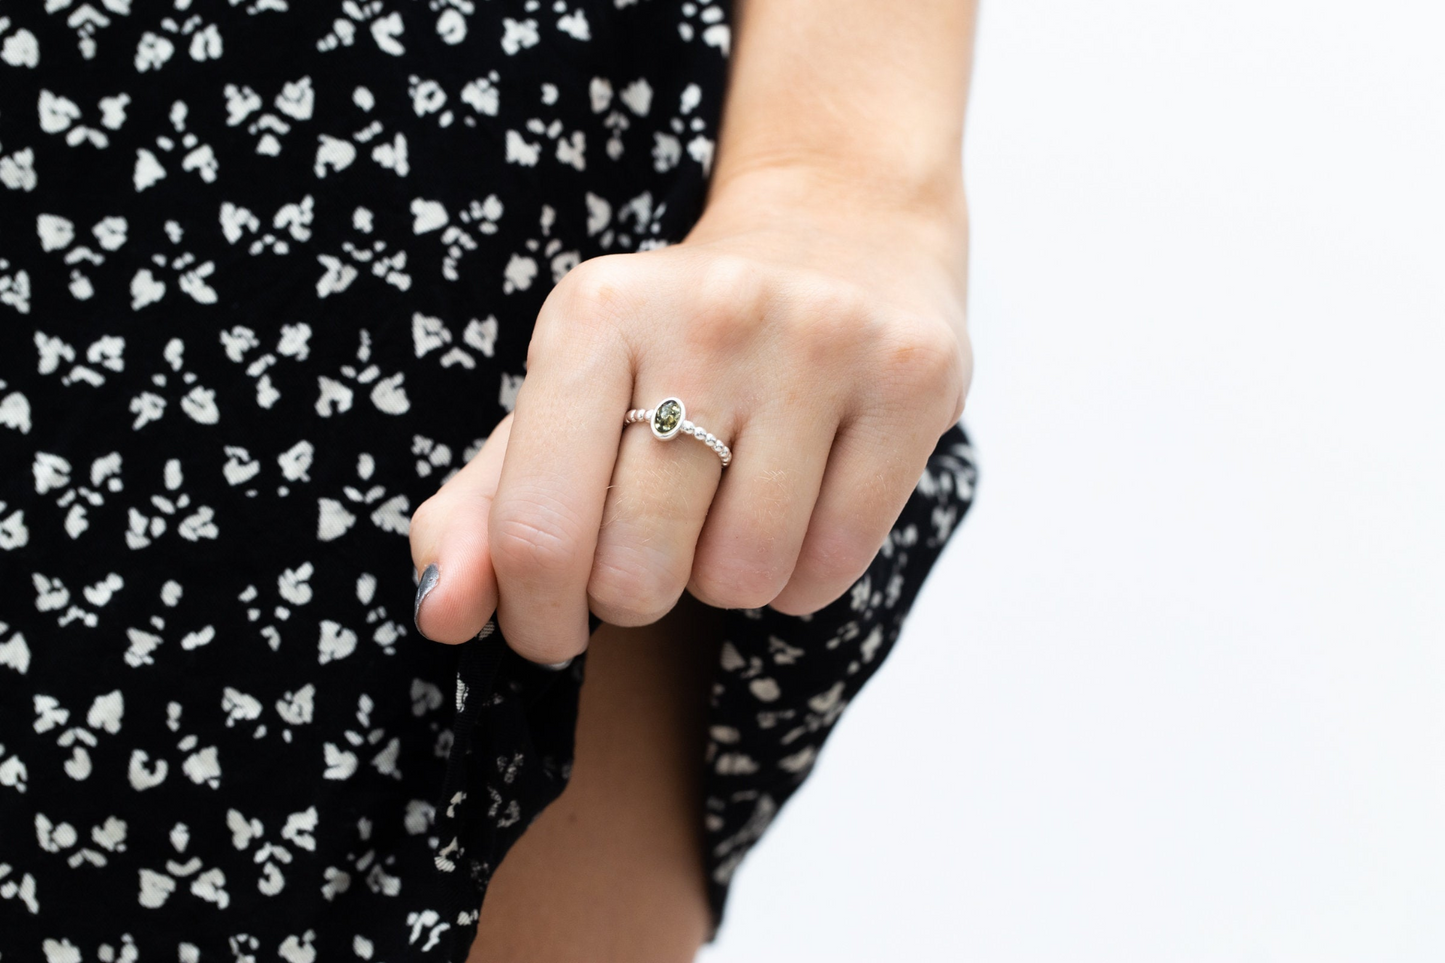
[{"x": 268, "y": 271}]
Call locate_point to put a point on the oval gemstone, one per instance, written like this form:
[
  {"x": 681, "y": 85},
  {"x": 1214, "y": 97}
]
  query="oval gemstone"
[{"x": 667, "y": 416}]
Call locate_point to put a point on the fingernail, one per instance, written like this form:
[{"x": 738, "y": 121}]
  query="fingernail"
[
  {"x": 556, "y": 666},
  {"x": 429, "y": 578}
]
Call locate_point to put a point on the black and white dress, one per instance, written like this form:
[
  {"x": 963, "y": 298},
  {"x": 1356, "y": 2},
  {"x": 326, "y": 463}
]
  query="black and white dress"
[{"x": 268, "y": 270}]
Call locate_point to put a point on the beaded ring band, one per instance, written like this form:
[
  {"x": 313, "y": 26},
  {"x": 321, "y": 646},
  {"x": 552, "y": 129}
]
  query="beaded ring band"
[{"x": 669, "y": 419}]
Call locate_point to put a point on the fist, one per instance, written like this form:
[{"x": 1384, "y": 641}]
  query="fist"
[{"x": 830, "y": 364}]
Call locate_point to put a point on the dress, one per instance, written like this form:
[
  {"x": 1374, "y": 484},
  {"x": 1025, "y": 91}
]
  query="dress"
[{"x": 268, "y": 271}]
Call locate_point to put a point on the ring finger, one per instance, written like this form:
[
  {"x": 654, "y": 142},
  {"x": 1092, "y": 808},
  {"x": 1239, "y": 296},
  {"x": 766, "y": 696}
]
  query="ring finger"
[{"x": 655, "y": 508}]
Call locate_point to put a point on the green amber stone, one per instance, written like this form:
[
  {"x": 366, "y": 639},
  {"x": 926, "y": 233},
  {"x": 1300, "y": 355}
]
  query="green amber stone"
[{"x": 667, "y": 416}]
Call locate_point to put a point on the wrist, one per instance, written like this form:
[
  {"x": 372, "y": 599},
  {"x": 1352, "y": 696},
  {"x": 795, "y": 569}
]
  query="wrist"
[
  {"x": 833, "y": 187},
  {"x": 819, "y": 206}
]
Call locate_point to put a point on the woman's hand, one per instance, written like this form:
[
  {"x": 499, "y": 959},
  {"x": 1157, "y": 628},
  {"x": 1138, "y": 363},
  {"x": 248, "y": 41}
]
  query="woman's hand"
[{"x": 820, "y": 334}]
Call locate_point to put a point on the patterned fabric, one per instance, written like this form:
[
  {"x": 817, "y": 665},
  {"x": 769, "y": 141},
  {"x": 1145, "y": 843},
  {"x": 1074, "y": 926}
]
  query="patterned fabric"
[{"x": 268, "y": 271}]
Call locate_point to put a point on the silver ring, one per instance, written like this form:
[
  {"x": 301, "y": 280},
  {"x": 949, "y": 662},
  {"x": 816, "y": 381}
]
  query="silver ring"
[{"x": 669, "y": 419}]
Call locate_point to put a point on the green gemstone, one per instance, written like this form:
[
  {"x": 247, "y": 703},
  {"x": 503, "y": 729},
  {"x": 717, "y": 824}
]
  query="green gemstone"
[{"x": 668, "y": 414}]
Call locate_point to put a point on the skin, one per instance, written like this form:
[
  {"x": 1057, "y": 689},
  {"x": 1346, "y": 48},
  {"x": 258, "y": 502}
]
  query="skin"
[
  {"x": 814, "y": 320},
  {"x": 613, "y": 869}
]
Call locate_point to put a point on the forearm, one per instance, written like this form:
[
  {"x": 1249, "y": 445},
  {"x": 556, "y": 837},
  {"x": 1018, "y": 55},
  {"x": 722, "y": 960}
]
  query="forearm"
[
  {"x": 866, "y": 94},
  {"x": 612, "y": 871},
  {"x": 842, "y": 143}
]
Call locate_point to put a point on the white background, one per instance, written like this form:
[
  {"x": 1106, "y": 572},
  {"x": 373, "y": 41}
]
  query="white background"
[{"x": 1177, "y": 689}]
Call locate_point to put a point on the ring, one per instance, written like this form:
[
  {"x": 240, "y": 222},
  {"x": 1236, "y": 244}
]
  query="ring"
[{"x": 669, "y": 419}]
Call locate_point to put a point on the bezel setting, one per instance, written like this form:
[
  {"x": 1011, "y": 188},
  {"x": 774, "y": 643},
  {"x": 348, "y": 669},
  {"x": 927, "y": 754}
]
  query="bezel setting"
[
  {"x": 656, "y": 417},
  {"x": 669, "y": 419}
]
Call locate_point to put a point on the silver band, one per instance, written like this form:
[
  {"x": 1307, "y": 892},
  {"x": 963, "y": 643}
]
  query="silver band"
[{"x": 669, "y": 419}]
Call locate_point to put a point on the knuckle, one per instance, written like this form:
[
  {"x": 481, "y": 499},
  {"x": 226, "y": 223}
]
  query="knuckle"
[
  {"x": 533, "y": 538},
  {"x": 729, "y": 279},
  {"x": 728, "y": 303},
  {"x": 837, "y": 303},
  {"x": 935, "y": 353},
  {"x": 739, "y": 582},
  {"x": 585, "y": 307},
  {"x": 834, "y": 560},
  {"x": 832, "y": 321},
  {"x": 594, "y": 287},
  {"x": 829, "y": 565},
  {"x": 524, "y": 549},
  {"x": 924, "y": 364},
  {"x": 628, "y": 591}
]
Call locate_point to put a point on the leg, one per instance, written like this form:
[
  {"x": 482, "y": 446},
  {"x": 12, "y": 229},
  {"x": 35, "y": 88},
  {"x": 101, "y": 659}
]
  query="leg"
[{"x": 613, "y": 870}]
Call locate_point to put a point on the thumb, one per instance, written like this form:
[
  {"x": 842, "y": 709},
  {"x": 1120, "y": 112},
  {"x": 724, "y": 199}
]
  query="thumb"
[{"x": 457, "y": 590}]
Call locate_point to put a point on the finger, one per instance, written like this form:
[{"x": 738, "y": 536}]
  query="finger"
[
  {"x": 759, "y": 517},
  {"x": 457, "y": 589},
  {"x": 871, "y": 472},
  {"x": 654, "y": 512},
  {"x": 568, "y": 421}
]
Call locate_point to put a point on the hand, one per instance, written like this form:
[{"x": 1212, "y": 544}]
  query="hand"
[{"x": 820, "y": 335}]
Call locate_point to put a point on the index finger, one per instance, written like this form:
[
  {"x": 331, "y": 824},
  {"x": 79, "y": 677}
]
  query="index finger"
[{"x": 566, "y": 427}]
